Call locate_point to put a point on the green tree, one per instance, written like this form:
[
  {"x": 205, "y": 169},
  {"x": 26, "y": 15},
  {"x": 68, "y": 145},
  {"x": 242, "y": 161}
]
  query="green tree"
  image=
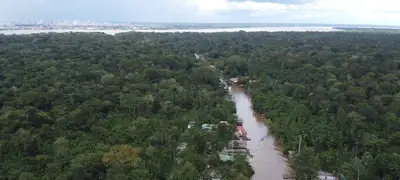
[{"x": 186, "y": 172}]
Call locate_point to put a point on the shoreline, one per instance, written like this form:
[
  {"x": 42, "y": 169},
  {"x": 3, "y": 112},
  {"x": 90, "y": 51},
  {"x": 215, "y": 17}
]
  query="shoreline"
[
  {"x": 177, "y": 30},
  {"x": 260, "y": 117}
]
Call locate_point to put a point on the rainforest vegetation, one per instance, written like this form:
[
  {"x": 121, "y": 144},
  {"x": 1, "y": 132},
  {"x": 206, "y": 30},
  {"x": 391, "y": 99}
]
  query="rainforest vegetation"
[
  {"x": 95, "y": 106},
  {"x": 339, "y": 91}
]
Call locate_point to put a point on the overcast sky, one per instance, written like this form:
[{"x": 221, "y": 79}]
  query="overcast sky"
[{"x": 379, "y": 12}]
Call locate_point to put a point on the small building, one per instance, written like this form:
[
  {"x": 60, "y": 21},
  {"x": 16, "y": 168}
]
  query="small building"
[
  {"x": 237, "y": 144},
  {"x": 234, "y": 80},
  {"x": 208, "y": 127},
  {"x": 239, "y": 122},
  {"x": 226, "y": 157}
]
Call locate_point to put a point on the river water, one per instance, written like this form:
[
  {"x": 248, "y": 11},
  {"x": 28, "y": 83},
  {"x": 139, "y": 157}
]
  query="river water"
[{"x": 267, "y": 161}]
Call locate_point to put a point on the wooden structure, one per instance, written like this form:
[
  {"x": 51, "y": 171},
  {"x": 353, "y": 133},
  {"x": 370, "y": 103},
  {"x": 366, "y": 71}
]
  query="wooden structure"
[
  {"x": 238, "y": 144},
  {"x": 235, "y": 151},
  {"x": 239, "y": 122}
]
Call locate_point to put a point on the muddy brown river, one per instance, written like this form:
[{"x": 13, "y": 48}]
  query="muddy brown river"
[{"x": 267, "y": 161}]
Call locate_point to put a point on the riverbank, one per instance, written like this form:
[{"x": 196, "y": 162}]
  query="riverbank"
[
  {"x": 261, "y": 118},
  {"x": 270, "y": 133},
  {"x": 268, "y": 159}
]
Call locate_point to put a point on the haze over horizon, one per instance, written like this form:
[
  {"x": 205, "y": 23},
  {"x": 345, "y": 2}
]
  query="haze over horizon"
[{"x": 383, "y": 12}]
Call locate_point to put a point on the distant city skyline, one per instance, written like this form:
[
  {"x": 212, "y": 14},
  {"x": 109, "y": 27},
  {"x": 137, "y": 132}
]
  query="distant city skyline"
[
  {"x": 371, "y": 12},
  {"x": 100, "y": 22}
]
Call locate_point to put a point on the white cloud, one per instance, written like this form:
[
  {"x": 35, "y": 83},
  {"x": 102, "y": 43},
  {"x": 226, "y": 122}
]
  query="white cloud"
[
  {"x": 331, "y": 11},
  {"x": 302, "y": 11},
  {"x": 338, "y": 5}
]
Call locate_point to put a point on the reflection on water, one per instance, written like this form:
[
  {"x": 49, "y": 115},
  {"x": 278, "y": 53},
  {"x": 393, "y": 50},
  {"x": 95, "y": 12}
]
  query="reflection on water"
[{"x": 268, "y": 162}]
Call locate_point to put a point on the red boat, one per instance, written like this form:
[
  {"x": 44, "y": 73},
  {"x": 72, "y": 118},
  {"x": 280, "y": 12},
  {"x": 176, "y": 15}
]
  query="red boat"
[{"x": 241, "y": 132}]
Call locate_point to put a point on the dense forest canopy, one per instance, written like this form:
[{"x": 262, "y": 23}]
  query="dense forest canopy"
[
  {"x": 339, "y": 91},
  {"x": 94, "y": 106}
]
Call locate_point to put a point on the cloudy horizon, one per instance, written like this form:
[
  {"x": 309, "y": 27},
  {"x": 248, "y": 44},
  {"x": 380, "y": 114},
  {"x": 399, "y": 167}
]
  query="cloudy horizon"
[{"x": 371, "y": 12}]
